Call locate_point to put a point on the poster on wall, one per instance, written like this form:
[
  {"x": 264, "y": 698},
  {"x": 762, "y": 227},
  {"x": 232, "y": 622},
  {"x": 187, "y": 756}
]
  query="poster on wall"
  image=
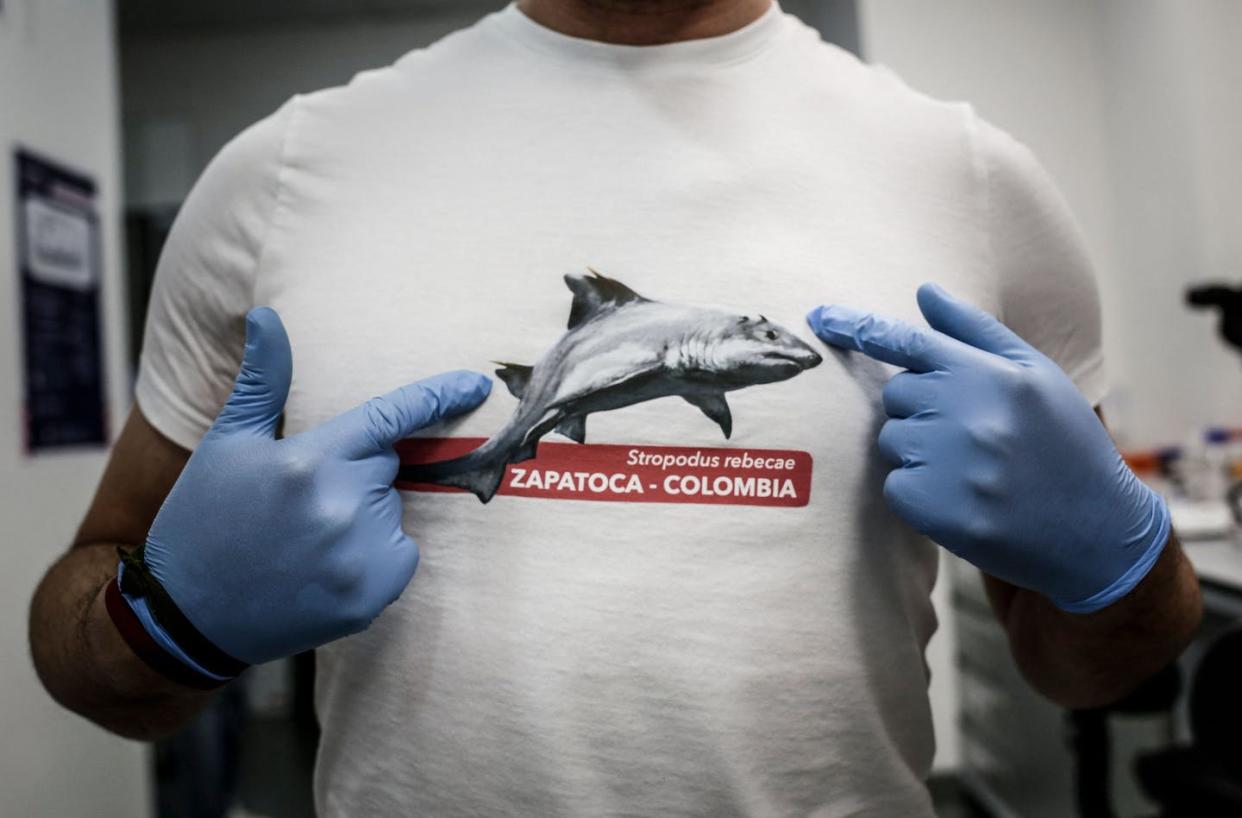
[{"x": 59, "y": 264}]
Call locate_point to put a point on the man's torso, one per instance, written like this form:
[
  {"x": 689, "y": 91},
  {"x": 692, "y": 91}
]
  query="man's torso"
[{"x": 692, "y": 647}]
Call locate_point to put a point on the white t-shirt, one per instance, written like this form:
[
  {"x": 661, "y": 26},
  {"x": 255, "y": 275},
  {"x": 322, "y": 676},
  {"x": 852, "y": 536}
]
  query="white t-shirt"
[{"x": 662, "y": 619}]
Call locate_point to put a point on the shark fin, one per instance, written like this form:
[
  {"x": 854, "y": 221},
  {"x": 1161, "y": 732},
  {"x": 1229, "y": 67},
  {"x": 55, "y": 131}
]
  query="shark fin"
[
  {"x": 593, "y": 293},
  {"x": 515, "y": 376},
  {"x": 526, "y": 451},
  {"x": 573, "y": 428},
  {"x": 716, "y": 408}
]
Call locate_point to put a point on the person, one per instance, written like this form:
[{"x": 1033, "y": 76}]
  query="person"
[{"x": 666, "y": 570}]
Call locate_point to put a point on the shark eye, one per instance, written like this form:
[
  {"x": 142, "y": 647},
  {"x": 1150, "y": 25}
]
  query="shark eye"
[
  {"x": 770, "y": 335},
  {"x": 742, "y": 319}
]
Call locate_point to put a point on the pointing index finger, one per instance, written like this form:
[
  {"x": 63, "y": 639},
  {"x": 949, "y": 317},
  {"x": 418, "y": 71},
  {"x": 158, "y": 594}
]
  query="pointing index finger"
[
  {"x": 885, "y": 339},
  {"x": 375, "y": 426}
]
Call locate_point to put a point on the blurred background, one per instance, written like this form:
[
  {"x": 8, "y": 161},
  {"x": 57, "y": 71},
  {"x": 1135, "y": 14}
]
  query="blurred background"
[{"x": 1133, "y": 106}]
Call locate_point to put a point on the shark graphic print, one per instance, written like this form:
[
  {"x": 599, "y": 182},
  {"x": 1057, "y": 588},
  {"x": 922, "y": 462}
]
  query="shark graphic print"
[{"x": 621, "y": 349}]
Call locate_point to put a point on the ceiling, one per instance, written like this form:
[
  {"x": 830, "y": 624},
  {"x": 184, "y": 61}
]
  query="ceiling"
[{"x": 141, "y": 16}]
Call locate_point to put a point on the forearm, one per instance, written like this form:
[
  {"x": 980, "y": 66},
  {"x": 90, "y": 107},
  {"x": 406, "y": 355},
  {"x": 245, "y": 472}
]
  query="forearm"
[
  {"x": 1081, "y": 661},
  {"x": 86, "y": 665}
]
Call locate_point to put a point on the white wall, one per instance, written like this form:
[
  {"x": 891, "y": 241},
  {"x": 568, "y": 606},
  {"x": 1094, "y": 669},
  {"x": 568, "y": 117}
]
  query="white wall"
[
  {"x": 1171, "y": 73},
  {"x": 1133, "y": 106},
  {"x": 57, "y": 96}
]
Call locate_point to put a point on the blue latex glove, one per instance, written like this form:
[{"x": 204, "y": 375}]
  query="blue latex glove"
[
  {"x": 999, "y": 457},
  {"x": 270, "y": 547}
]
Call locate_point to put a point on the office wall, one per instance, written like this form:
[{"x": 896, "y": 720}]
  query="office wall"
[{"x": 58, "y": 96}]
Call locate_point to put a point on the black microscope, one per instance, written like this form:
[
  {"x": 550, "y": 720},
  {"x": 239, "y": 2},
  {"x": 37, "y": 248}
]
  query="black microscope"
[{"x": 1226, "y": 299}]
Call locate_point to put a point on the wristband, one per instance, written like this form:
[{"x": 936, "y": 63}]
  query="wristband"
[{"x": 159, "y": 633}]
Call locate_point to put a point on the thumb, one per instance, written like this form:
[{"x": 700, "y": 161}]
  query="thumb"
[
  {"x": 969, "y": 324},
  {"x": 375, "y": 426},
  {"x": 262, "y": 385}
]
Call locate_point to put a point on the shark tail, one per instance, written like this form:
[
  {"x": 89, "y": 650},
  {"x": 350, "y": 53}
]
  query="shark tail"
[{"x": 482, "y": 476}]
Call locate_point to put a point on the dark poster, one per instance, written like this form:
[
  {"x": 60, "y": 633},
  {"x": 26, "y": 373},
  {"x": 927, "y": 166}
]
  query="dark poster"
[{"x": 59, "y": 265}]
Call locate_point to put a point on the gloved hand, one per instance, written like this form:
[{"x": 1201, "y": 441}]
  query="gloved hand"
[
  {"x": 270, "y": 547},
  {"x": 999, "y": 457}
]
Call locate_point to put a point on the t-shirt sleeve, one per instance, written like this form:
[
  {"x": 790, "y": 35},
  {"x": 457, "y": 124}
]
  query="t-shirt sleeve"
[
  {"x": 1046, "y": 287},
  {"x": 204, "y": 284}
]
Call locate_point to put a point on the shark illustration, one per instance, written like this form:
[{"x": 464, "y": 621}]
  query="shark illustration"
[{"x": 622, "y": 349}]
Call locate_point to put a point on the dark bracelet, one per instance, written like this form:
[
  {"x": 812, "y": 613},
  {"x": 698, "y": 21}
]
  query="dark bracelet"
[
  {"x": 147, "y": 649},
  {"x": 138, "y": 582}
]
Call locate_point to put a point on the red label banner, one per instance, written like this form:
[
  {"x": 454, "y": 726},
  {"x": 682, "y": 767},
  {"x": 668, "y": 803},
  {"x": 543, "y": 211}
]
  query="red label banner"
[{"x": 635, "y": 474}]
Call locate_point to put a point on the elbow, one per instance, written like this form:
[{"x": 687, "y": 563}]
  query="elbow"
[
  {"x": 134, "y": 724},
  {"x": 66, "y": 685},
  {"x": 1139, "y": 647},
  {"x": 59, "y": 680},
  {"x": 135, "y": 719},
  {"x": 60, "y": 651}
]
